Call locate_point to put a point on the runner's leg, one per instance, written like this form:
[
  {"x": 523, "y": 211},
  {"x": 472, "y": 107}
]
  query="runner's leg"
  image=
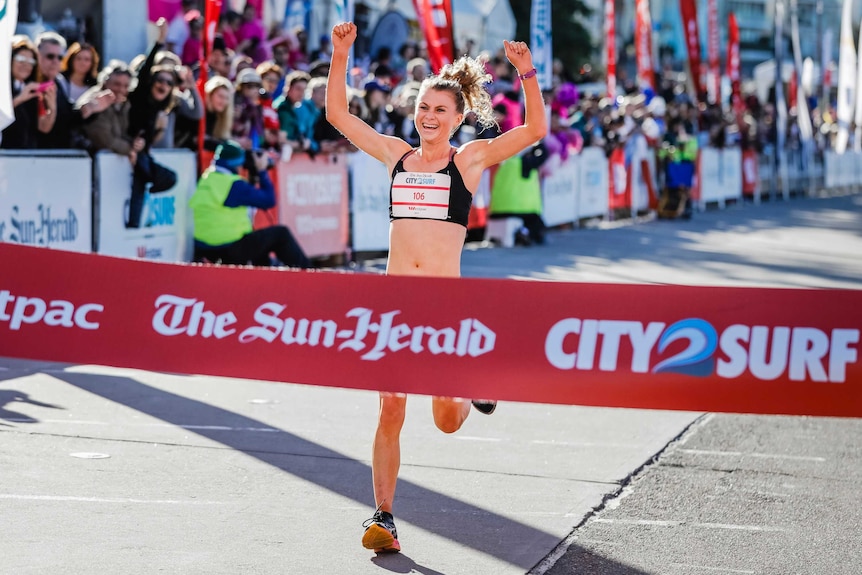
[
  {"x": 386, "y": 455},
  {"x": 449, "y": 413}
]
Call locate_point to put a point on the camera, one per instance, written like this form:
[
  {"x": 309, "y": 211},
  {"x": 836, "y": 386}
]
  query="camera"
[{"x": 250, "y": 164}]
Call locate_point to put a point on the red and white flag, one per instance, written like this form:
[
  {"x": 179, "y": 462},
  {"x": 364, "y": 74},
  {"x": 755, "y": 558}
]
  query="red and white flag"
[
  {"x": 643, "y": 45},
  {"x": 611, "y": 53},
  {"x": 212, "y": 11},
  {"x": 688, "y": 9},
  {"x": 846, "y": 77},
  {"x": 733, "y": 65},
  {"x": 712, "y": 52},
  {"x": 435, "y": 20}
]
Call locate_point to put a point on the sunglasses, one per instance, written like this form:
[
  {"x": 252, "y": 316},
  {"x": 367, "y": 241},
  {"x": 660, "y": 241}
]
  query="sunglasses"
[
  {"x": 24, "y": 60},
  {"x": 53, "y": 56},
  {"x": 163, "y": 80}
]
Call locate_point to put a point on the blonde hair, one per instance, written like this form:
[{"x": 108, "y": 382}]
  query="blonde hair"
[
  {"x": 224, "y": 120},
  {"x": 465, "y": 79}
]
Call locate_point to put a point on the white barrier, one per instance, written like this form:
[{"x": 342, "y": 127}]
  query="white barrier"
[
  {"x": 842, "y": 170},
  {"x": 592, "y": 196},
  {"x": 166, "y": 232},
  {"x": 720, "y": 175},
  {"x": 369, "y": 203},
  {"x": 559, "y": 193},
  {"x": 46, "y": 199}
]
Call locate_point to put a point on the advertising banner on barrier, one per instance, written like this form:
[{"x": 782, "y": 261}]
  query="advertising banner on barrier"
[
  {"x": 643, "y": 346},
  {"x": 592, "y": 183},
  {"x": 46, "y": 201},
  {"x": 167, "y": 231},
  {"x": 559, "y": 193},
  {"x": 369, "y": 203},
  {"x": 312, "y": 202}
]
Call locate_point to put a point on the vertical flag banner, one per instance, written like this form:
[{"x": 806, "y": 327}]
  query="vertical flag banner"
[
  {"x": 688, "y": 9},
  {"x": 846, "y": 77},
  {"x": 643, "y": 45},
  {"x": 733, "y": 64},
  {"x": 712, "y": 52},
  {"x": 540, "y": 42},
  {"x": 803, "y": 118},
  {"x": 435, "y": 20},
  {"x": 8, "y": 21},
  {"x": 611, "y": 52},
  {"x": 212, "y": 10},
  {"x": 857, "y": 140},
  {"x": 780, "y": 103},
  {"x": 295, "y": 15},
  {"x": 825, "y": 63}
]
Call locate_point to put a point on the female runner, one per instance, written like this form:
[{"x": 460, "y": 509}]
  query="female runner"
[{"x": 429, "y": 220}]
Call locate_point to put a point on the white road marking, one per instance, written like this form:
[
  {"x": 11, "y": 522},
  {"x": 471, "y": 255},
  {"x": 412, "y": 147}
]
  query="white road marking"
[
  {"x": 105, "y": 499},
  {"x": 474, "y": 438},
  {"x": 582, "y": 443},
  {"x": 660, "y": 523},
  {"x": 760, "y": 455},
  {"x": 189, "y": 427},
  {"x": 714, "y": 569}
]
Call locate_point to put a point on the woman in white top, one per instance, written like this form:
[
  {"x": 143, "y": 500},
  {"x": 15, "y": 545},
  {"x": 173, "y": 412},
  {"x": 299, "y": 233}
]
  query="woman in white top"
[
  {"x": 79, "y": 70},
  {"x": 430, "y": 244}
]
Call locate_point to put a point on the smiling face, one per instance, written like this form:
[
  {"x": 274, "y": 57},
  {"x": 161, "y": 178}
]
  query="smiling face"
[
  {"x": 82, "y": 63},
  {"x": 163, "y": 84},
  {"x": 23, "y": 63},
  {"x": 119, "y": 84},
  {"x": 437, "y": 115}
]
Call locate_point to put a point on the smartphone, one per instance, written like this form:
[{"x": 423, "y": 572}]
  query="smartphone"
[{"x": 44, "y": 86}]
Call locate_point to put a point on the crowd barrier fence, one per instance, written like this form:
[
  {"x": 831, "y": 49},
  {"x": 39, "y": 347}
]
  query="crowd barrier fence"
[{"x": 338, "y": 203}]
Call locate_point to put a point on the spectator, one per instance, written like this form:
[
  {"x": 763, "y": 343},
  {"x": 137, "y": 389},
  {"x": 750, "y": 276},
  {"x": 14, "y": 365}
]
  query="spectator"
[
  {"x": 239, "y": 63},
  {"x": 178, "y": 29},
  {"x": 294, "y": 121},
  {"x": 109, "y": 129},
  {"x": 60, "y": 124},
  {"x": 223, "y": 230},
  {"x": 271, "y": 75},
  {"x": 251, "y": 36},
  {"x": 219, "y": 111},
  {"x": 380, "y": 110},
  {"x": 150, "y": 104},
  {"x": 193, "y": 50},
  {"x": 324, "y": 50},
  {"x": 228, "y": 24},
  {"x": 79, "y": 70},
  {"x": 325, "y": 134},
  {"x": 248, "y": 128},
  {"x": 27, "y": 99},
  {"x": 186, "y": 110}
]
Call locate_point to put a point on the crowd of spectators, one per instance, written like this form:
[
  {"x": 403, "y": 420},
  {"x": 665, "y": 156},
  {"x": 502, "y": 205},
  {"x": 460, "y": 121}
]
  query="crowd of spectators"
[{"x": 266, "y": 90}]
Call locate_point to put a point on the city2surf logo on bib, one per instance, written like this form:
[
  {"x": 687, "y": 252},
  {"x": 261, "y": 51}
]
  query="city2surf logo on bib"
[
  {"x": 694, "y": 347},
  {"x": 421, "y": 195}
]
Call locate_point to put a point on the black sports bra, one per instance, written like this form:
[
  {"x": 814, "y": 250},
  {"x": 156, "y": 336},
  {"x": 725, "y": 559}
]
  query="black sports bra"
[{"x": 429, "y": 196}]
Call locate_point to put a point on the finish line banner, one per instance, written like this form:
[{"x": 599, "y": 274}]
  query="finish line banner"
[{"x": 747, "y": 350}]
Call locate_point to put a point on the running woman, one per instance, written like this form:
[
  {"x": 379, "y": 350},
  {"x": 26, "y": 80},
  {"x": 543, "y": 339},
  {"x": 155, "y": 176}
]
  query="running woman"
[{"x": 430, "y": 198}]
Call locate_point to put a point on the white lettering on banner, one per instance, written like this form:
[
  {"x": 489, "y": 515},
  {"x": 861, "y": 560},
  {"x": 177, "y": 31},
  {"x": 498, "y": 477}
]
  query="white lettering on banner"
[
  {"x": 802, "y": 353},
  {"x": 315, "y": 189},
  {"x": 41, "y": 229},
  {"x": 308, "y": 224},
  {"x": 56, "y": 313},
  {"x": 188, "y": 316}
]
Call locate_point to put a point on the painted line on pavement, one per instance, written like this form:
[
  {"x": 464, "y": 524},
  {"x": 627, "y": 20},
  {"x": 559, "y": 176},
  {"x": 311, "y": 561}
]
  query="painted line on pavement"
[
  {"x": 105, "y": 499},
  {"x": 660, "y": 523},
  {"x": 760, "y": 455},
  {"x": 167, "y": 425},
  {"x": 714, "y": 569}
]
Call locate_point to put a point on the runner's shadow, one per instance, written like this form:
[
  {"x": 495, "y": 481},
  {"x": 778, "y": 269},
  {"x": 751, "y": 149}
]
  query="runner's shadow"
[
  {"x": 508, "y": 540},
  {"x": 13, "y": 396},
  {"x": 401, "y": 563}
]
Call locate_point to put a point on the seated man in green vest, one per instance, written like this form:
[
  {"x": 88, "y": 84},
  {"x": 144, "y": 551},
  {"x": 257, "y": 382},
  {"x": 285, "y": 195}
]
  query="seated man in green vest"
[{"x": 223, "y": 228}]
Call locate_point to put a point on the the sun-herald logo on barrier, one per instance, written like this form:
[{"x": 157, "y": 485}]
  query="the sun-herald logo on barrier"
[
  {"x": 768, "y": 353},
  {"x": 55, "y": 313},
  {"x": 188, "y": 316}
]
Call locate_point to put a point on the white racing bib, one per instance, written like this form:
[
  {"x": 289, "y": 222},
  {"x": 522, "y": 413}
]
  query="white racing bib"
[{"x": 420, "y": 195}]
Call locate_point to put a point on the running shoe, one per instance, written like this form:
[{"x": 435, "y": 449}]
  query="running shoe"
[
  {"x": 380, "y": 533},
  {"x": 485, "y": 406}
]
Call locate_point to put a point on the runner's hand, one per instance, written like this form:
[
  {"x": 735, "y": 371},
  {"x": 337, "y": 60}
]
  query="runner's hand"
[
  {"x": 343, "y": 35},
  {"x": 519, "y": 55}
]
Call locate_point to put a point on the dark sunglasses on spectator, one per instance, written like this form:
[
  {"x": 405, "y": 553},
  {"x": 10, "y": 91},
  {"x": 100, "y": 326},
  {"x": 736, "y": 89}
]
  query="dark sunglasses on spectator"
[
  {"x": 53, "y": 56},
  {"x": 24, "y": 59},
  {"x": 164, "y": 80}
]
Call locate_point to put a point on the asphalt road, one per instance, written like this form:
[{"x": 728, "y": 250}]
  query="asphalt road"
[{"x": 106, "y": 470}]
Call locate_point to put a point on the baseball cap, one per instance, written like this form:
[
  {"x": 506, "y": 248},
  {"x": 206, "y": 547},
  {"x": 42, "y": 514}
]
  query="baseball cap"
[
  {"x": 372, "y": 85},
  {"x": 248, "y": 76},
  {"x": 229, "y": 154}
]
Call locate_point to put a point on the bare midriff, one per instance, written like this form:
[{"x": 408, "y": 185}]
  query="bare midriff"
[{"x": 425, "y": 248}]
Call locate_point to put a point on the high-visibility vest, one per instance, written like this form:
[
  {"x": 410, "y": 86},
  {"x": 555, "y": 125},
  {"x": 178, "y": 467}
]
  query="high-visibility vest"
[
  {"x": 512, "y": 194},
  {"x": 215, "y": 223}
]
